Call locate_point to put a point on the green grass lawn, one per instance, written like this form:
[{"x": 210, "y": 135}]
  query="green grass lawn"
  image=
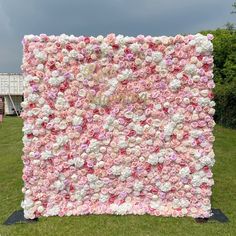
[{"x": 224, "y": 196}]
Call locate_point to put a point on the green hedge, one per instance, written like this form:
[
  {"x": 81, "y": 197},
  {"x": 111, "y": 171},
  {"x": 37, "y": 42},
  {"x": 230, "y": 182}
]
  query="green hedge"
[
  {"x": 225, "y": 98},
  {"x": 224, "y": 44}
]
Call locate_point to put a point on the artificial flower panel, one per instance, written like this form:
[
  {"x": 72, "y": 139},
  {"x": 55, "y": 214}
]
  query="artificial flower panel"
[{"x": 117, "y": 125}]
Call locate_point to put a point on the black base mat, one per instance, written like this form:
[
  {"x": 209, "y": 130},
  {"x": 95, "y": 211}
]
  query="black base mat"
[
  {"x": 218, "y": 216},
  {"x": 18, "y": 217}
]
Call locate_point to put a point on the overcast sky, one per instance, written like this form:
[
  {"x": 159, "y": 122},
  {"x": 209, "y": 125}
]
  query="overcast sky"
[{"x": 87, "y": 17}]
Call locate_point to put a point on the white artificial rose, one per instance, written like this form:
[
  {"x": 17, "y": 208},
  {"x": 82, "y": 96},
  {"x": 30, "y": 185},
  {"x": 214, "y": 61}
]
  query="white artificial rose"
[
  {"x": 93, "y": 146},
  {"x": 165, "y": 187},
  {"x": 53, "y": 211},
  {"x": 176, "y": 203},
  {"x": 120, "y": 39},
  {"x": 125, "y": 74},
  {"x": 175, "y": 84},
  {"x": 27, "y": 204},
  {"x": 166, "y": 104},
  {"x": 55, "y": 73},
  {"x": 212, "y": 103},
  {"x": 24, "y": 104},
  {"x": 35, "y": 132},
  {"x": 58, "y": 185},
  {"x": 211, "y": 111},
  {"x": 121, "y": 209},
  {"x": 82, "y": 93},
  {"x": 157, "y": 56},
  {"x": 74, "y": 177},
  {"x": 79, "y": 162},
  {"x": 204, "y": 92},
  {"x": 142, "y": 117},
  {"x": 138, "y": 128},
  {"x": 66, "y": 59},
  {"x": 61, "y": 104},
  {"x": 103, "y": 197},
  {"x": 169, "y": 129},
  {"x": 116, "y": 170},
  {"x": 113, "y": 82},
  {"x": 135, "y": 47},
  {"x": 104, "y": 48},
  {"x": 26, "y": 140},
  {"x": 100, "y": 164},
  {"x": 204, "y": 101},
  {"x": 184, "y": 172},
  {"x": 179, "y": 75},
  {"x": 196, "y": 78},
  {"x": 205, "y": 47},
  {"x": 99, "y": 183},
  {"x": 73, "y": 53},
  {"x": 27, "y": 128},
  {"x": 63, "y": 39},
  {"x": 148, "y": 59},
  {"x": 158, "y": 106},
  {"x": 184, "y": 203},
  {"x": 55, "y": 81},
  {"x": 32, "y": 97},
  {"x": 30, "y": 37},
  {"x": 138, "y": 186},
  {"x": 125, "y": 173},
  {"x": 56, "y": 120},
  {"x": 92, "y": 178},
  {"x": 46, "y": 154},
  {"x": 41, "y": 101},
  {"x": 149, "y": 142},
  {"x": 46, "y": 110},
  {"x": 207, "y": 161},
  {"x": 156, "y": 123},
  {"x": 100, "y": 38},
  {"x": 195, "y": 92},
  {"x": 62, "y": 140},
  {"x": 155, "y": 204},
  {"x": 77, "y": 120},
  {"x": 40, "y": 209},
  {"x": 186, "y": 101},
  {"x": 40, "y": 67},
  {"x": 122, "y": 143},
  {"x": 196, "y": 180},
  {"x": 63, "y": 124},
  {"x": 41, "y": 56},
  {"x": 155, "y": 158},
  {"x": 128, "y": 114},
  {"x": 178, "y": 118},
  {"x": 190, "y": 69},
  {"x": 29, "y": 78}
]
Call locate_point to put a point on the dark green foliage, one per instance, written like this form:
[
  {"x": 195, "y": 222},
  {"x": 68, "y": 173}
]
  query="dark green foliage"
[{"x": 224, "y": 43}]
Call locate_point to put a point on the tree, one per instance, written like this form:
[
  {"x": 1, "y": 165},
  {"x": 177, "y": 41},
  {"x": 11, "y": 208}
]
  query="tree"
[
  {"x": 230, "y": 26},
  {"x": 234, "y": 7}
]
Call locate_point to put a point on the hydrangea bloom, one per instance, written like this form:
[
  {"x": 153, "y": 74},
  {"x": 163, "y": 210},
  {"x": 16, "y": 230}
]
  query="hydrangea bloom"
[{"x": 117, "y": 125}]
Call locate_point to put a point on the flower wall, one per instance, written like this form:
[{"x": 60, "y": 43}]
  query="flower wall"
[{"x": 117, "y": 125}]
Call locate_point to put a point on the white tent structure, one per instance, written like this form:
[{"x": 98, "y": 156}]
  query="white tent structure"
[{"x": 11, "y": 89}]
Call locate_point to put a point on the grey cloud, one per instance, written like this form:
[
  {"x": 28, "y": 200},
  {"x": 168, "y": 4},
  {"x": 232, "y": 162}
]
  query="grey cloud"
[{"x": 87, "y": 17}]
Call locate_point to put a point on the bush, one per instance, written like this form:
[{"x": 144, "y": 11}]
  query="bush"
[
  {"x": 224, "y": 44},
  {"x": 225, "y": 98}
]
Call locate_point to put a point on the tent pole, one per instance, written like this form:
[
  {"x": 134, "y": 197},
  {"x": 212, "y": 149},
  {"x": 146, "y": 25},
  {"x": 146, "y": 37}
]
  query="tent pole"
[{"x": 13, "y": 105}]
